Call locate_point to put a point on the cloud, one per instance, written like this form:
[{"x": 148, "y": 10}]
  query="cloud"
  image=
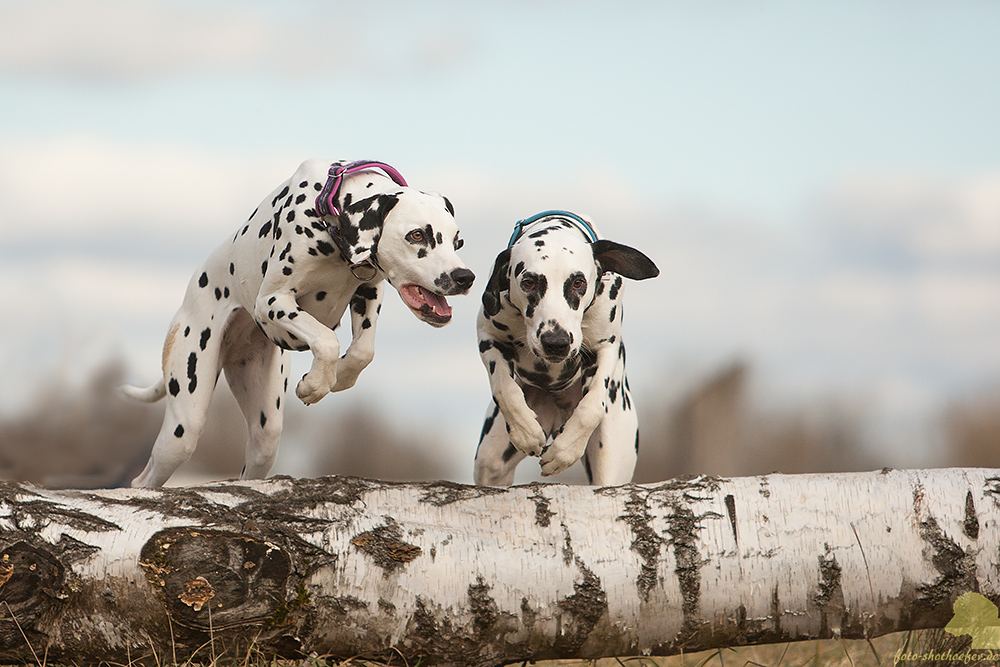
[
  {"x": 123, "y": 41},
  {"x": 910, "y": 218},
  {"x": 84, "y": 186},
  {"x": 115, "y": 39}
]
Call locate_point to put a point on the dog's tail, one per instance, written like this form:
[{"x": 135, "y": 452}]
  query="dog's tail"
[{"x": 147, "y": 395}]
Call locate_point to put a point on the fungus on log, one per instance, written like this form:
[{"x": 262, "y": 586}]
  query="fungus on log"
[{"x": 448, "y": 573}]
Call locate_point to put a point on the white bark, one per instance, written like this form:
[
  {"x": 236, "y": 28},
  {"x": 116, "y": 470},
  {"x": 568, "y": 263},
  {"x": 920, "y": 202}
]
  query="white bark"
[{"x": 467, "y": 575}]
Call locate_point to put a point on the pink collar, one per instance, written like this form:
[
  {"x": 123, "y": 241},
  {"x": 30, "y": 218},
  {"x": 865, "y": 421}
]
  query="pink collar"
[{"x": 324, "y": 202}]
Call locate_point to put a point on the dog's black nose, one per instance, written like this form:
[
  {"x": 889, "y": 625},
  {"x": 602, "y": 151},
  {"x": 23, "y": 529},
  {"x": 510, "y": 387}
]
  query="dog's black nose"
[
  {"x": 463, "y": 278},
  {"x": 556, "y": 343}
]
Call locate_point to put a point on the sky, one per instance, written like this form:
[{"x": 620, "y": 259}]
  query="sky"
[{"x": 818, "y": 182}]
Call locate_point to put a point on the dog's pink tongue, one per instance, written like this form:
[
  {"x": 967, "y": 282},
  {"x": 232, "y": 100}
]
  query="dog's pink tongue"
[{"x": 438, "y": 303}]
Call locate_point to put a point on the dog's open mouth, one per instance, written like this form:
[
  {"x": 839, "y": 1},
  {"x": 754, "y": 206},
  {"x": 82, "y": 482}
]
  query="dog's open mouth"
[{"x": 427, "y": 305}]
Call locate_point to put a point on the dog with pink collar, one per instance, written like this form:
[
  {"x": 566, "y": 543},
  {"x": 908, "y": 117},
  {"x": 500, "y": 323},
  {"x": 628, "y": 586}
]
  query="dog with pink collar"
[{"x": 325, "y": 241}]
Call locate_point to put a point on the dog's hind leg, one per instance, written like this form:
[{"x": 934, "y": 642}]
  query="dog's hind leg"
[
  {"x": 496, "y": 458},
  {"x": 257, "y": 373},
  {"x": 191, "y": 364},
  {"x": 614, "y": 446}
]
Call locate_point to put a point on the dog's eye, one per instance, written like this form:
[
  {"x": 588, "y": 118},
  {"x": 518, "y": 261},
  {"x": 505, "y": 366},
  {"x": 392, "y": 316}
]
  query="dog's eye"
[
  {"x": 529, "y": 284},
  {"x": 579, "y": 285},
  {"x": 416, "y": 236}
]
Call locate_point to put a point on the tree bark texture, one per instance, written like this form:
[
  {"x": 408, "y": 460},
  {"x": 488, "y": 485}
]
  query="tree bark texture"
[{"x": 455, "y": 574}]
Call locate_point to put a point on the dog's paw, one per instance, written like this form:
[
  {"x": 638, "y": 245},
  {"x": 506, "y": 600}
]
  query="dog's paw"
[
  {"x": 527, "y": 436},
  {"x": 561, "y": 454},
  {"x": 316, "y": 384}
]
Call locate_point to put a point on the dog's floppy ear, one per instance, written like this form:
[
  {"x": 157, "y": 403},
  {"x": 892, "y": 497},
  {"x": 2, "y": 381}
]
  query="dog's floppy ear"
[
  {"x": 359, "y": 227},
  {"x": 499, "y": 282},
  {"x": 623, "y": 260}
]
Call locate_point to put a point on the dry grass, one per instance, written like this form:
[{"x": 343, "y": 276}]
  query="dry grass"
[{"x": 924, "y": 648}]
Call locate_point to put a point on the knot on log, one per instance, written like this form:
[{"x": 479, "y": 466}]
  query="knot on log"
[
  {"x": 29, "y": 577},
  {"x": 243, "y": 580}
]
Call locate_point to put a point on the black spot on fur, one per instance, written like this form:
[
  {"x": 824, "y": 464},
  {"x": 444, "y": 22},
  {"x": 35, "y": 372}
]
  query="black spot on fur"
[
  {"x": 205, "y": 335},
  {"x": 263, "y": 267},
  {"x": 320, "y": 296},
  {"x": 614, "y": 311},
  {"x": 174, "y": 386},
  {"x": 218, "y": 294},
  {"x": 535, "y": 296},
  {"x": 613, "y": 292},
  {"x": 284, "y": 191},
  {"x": 232, "y": 269},
  {"x": 263, "y": 419},
  {"x": 488, "y": 424},
  {"x": 264, "y": 230},
  {"x": 287, "y": 270},
  {"x": 572, "y": 295},
  {"x": 508, "y": 453},
  {"x": 192, "y": 372},
  {"x": 324, "y": 247},
  {"x": 368, "y": 292},
  {"x": 203, "y": 280},
  {"x": 300, "y": 199},
  {"x": 179, "y": 431},
  {"x": 508, "y": 350},
  {"x": 291, "y": 214}
]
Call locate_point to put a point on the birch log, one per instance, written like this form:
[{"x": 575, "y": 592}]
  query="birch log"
[{"x": 455, "y": 574}]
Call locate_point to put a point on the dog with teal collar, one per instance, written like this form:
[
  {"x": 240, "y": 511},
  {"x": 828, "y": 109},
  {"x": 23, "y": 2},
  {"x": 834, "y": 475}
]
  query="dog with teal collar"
[{"x": 550, "y": 339}]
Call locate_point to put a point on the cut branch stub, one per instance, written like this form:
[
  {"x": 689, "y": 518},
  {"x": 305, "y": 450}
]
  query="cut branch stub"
[{"x": 237, "y": 579}]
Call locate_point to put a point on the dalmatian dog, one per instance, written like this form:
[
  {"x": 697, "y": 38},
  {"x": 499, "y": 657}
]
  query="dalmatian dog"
[
  {"x": 324, "y": 241},
  {"x": 550, "y": 338}
]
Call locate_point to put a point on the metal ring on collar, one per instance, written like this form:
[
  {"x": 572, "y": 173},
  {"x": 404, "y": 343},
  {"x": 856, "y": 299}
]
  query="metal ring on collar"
[{"x": 354, "y": 272}]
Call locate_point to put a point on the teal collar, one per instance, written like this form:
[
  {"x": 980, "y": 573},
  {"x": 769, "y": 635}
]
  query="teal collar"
[{"x": 576, "y": 221}]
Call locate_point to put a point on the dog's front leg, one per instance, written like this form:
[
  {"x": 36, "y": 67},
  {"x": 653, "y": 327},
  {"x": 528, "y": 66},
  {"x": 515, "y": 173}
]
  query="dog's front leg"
[
  {"x": 525, "y": 432},
  {"x": 567, "y": 447},
  {"x": 365, "y": 306},
  {"x": 280, "y": 311}
]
